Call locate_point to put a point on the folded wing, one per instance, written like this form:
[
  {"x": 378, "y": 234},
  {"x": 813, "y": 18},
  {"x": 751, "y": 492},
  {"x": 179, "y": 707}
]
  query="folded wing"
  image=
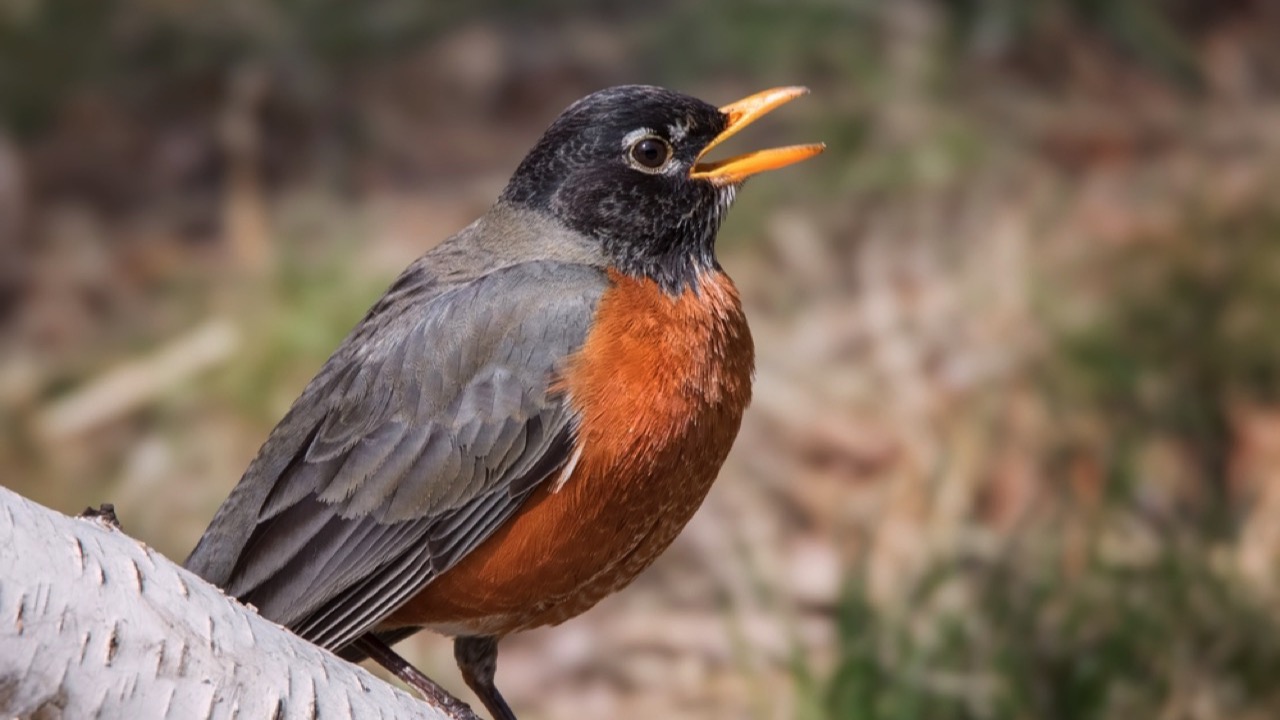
[{"x": 424, "y": 432}]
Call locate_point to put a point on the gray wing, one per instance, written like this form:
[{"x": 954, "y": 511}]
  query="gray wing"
[{"x": 426, "y": 430}]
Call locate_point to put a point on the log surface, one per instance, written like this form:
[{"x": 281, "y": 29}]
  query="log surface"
[{"x": 94, "y": 624}]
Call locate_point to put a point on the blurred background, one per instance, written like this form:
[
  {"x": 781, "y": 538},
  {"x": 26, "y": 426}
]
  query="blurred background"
[{"x": 1015, "y": 448}]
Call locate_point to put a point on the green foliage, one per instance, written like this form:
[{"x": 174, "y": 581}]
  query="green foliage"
[
  {"x": 1156, "y": 33},
  {"x": 1059, "y": 627},
  {"x": 1032, "y": 641},
  {"x": 43, "y": 51},
  {"x": 846, "y": 40},
  {"x": 769, "y": 41},
  {"x": 53, "y": 48},
  {"x": 1189, "y": 329},
  {"x": 138, "y": 48}
]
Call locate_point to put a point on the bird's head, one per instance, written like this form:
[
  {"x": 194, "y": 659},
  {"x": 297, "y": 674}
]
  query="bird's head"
[{"x": 624, "y": 166}]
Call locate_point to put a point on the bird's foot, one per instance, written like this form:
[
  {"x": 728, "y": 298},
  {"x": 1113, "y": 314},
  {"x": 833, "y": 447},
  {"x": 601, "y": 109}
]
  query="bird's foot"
[{"x": 435, "y": 695}]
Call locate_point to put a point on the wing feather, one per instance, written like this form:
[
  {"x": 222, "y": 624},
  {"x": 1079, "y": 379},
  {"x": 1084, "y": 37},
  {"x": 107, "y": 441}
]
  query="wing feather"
[{"x": 426, "y": 431}]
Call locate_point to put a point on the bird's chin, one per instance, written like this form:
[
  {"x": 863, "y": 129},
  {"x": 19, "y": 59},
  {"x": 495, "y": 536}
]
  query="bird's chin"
[{"x": 725, "y": 195}]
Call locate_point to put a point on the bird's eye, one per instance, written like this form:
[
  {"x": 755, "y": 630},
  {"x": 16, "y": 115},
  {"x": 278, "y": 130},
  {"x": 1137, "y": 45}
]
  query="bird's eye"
[{"x": 650, "y": 153}]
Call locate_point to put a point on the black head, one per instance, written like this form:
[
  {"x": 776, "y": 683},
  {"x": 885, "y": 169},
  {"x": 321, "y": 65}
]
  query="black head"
[{"x": 621, "y": 166}]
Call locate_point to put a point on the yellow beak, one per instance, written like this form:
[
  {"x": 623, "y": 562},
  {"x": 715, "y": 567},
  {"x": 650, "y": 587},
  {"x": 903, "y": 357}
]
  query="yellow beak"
[{"x": 741, "y": 114}]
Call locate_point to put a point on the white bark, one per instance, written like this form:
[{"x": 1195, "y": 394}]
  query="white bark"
[{"x": 96, "y": 624}]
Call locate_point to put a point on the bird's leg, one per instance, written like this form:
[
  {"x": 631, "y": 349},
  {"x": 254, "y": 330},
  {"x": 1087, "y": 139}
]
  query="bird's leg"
[
  {"x": 478, "y": 659},
  {"x": 435, "y": 695}
]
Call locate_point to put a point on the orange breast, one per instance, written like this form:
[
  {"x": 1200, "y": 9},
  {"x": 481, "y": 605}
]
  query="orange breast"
[{"x": 661, "y": 385}]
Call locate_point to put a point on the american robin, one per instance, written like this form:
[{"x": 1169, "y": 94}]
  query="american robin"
[{"x": 529, "y": 415}]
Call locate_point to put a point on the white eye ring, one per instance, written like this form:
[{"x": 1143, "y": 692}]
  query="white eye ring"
[{"x": 650, "y": 154}]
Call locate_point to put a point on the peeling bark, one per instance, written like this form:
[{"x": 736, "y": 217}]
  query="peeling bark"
[{"x": 96, "y": 624}]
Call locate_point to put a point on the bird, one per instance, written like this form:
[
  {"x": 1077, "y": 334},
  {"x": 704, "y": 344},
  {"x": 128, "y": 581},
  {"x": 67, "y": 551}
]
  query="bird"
[{"x": 528, "y": 416}]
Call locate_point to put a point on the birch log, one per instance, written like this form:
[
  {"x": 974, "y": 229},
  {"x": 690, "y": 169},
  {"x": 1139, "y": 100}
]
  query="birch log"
[{"x": 96, "y": 624}]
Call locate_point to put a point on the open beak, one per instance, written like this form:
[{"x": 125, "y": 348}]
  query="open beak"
[{"x": 741, "y": 114}]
